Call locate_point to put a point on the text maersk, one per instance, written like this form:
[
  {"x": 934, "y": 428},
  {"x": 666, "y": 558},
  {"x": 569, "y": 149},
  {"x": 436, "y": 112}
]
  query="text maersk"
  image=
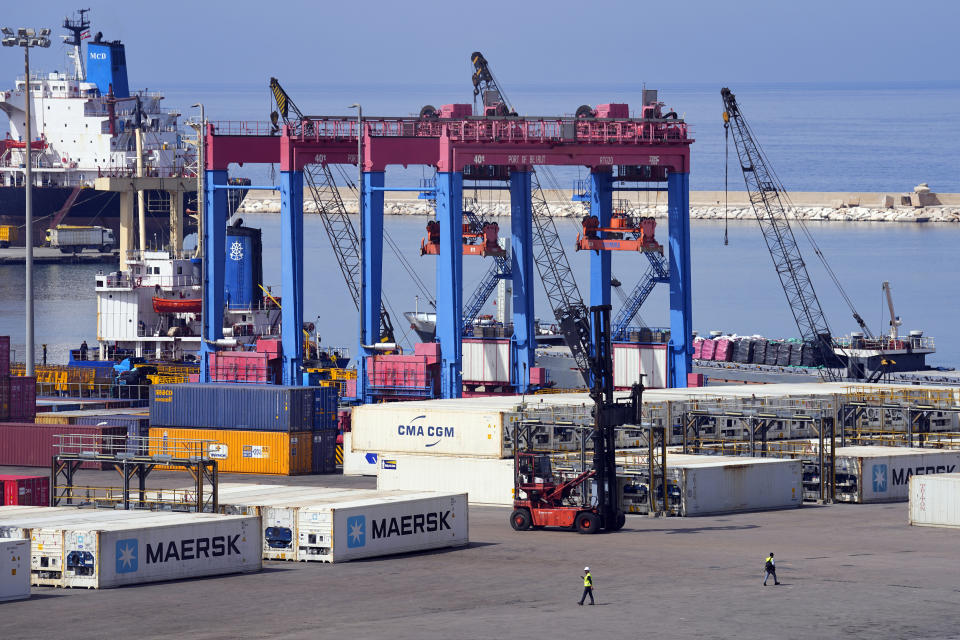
[
  {"x": 902, "y": 476},
  {"x": 410, "y": 524},
  {"x": 192, "y": 549}
]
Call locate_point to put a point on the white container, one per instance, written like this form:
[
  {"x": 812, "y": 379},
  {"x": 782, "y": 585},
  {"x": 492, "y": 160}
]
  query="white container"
[
  {"x": 728, "y": 484},
  {"x": 486, "y": 360},
  {"x": 633, "y": 362},
  {"x": 384, "y": 525},
  {"x": 432, "y": 427},
  {"x": 14, "y": 569},
  {"x": 357, "y": 463},
  {"x": 882, "y": 474},
  {"x": 109, "y": 548},
  {"x": 935, "y": 500},
  {"x": 484, "y": 480}
]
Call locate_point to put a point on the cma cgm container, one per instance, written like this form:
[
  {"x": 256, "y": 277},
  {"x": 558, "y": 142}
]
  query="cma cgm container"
[
  {"x": 33, "y": 445},
  {"x": 127, "y": 549},
  {"x": 465, "y": 428},
  {"x": 25, "y": 490},
  {"x": 882, "y": 474},
  {"x": 935, "y": 500},
  {"x": 14, "y": 570},
  {"x": 267, "y": 452},
  {"x": 265, "y": 407}
]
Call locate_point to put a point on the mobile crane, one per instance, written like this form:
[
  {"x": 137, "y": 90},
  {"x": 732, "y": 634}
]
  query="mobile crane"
[{"x": 543, "y": 501}]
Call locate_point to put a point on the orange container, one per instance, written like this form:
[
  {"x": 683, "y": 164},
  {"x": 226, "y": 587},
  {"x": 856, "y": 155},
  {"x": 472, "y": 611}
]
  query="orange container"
[{"x": 265, "y": 452}]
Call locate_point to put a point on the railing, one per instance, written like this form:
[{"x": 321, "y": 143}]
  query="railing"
[
  {"x": 525, "y": 130},
  {"x": 123, "y": 280},
  {"x": 160, "y": 449},
  {"x": 906, "y": 342},
  {"x": 154, "y": 499}
]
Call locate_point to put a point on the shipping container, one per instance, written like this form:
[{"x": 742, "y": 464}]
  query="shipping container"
[
  {"x": 382, "y": 525},
  {"x": 267, "y": 452},
  {"x": 483, "y": 480},
  {"x": 635, "y": 362},
  {"x": 935, "y": 500},
  {"x": 882, "y": 474},
  {"x": 4, "y": 356},
  {"x": 136, "y": 425},
  {"x": 243, "y": 268},
  {"x": 232, "y": 406},
  {"x": 358, "y": 463},
  {"x": 14, "y": 570},
  {"x": 324, "y": 459},
  {"x": 23, "y": 399},
  {"x": 4, "y": 398},
  {"x": 486, "y": 360},
  {"x": 130, "y": 547},
  {"x": 33, "y": 445},
  {"x": 25, "y": 490},
  {"x": 727, "y": 484}
]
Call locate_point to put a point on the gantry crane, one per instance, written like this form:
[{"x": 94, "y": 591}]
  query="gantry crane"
[
  {"x": 767, "y": 197},
  {"x": 336, "y": 222},
  {"x": 551, "y": 260}
]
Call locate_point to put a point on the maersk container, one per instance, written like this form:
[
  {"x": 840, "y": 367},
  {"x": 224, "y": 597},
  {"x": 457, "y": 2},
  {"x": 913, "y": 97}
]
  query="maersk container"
[
  {"x": 258, "y": 407},
  {"x": 267, "y": 452},
  {"x": 382, "y": 525},
  {"x": 483, "y": 480},
  {"x": 882, "y": 474},
  {"x": 935, "y": 500},
  {"x": 134, "y": 550},
  {"x": 14, "y": 570}
]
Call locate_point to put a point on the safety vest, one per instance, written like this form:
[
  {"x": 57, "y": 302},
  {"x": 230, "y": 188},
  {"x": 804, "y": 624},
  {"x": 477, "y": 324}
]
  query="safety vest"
[
  {"x": 768, "y": 562},
  {"x": 588, "y": 580}
]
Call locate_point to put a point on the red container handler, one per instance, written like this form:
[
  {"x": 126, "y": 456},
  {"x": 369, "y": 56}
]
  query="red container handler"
[
  {"x": 31, "y": 491},
  {"x": 25, "y": 444}
]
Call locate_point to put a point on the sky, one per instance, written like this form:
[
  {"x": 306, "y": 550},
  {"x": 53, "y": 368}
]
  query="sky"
[{"x": 560, "y": 42}]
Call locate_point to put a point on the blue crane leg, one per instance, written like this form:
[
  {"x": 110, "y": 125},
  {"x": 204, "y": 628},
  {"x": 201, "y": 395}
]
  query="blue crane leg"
[
  {"x": 680, "y": 350},
  {"x": 371, "y": 273},
  {"x": 214, "y": 251},
  {"x": 450, "y": 282},
  {"x": 523, "y": 344},
  {"x": 601, "y": 205},
  {"x": 291, "y": 279}
]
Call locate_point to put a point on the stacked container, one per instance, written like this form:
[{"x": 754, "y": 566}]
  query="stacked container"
[
  {"x": 26, "y": 444},
  {"x": 251, "y": 428},
  {"x": 18, "y": 395}
]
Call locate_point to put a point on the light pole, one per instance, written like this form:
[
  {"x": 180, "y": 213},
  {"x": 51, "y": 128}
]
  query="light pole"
[
  {"x": 201, "y": 175},
  {"x": 27, "y": 38}
]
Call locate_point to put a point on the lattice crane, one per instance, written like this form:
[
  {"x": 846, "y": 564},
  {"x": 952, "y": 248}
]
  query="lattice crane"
[
  {"x": 551, "y": 260},
  {"x": 336, "y": 222}
]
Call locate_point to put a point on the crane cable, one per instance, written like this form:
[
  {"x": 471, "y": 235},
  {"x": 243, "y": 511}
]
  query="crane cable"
[{"x": 726, "y": 181}]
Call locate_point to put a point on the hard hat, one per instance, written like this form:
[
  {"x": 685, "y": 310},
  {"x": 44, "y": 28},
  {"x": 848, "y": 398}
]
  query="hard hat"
[{"x": 586, "y": 568}]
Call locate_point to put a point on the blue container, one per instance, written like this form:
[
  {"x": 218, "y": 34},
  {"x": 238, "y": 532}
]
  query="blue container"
[
  {"x": 325, "y": 452},
  {"x": 325, "y": 405},
  {"x": 254, "y": 407},
  {"x": 243, "y": 269}
]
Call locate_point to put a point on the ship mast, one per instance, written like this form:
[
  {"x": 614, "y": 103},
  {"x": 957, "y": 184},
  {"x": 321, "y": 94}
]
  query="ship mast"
[{"x": 79, "y": 30}]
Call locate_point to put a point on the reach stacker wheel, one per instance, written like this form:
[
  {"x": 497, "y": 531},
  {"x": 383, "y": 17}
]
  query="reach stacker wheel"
[
  {"x": 587, "y": 522},
  {"x": 619, "y": 519},
  {"x": 520, "y": 520}
]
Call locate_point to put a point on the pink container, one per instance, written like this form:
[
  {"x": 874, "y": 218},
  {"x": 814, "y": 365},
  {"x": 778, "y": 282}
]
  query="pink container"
[
  {"x": 615, "y": 110},
  {"x": 696, "y": 380},
  {"x": 697, "y": 349},
  {"x": 427, "y": 349},
  {"x": 538, "y": 375},
  {"x": 708, "y": 350}
]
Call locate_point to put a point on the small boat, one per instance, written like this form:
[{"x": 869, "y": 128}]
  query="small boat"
[{"x": 177, "y": 305}]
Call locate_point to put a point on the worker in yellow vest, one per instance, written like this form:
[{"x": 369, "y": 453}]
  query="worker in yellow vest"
[
  {"x": 587, "y": 586},
  {"x": 770, "y": 569}
]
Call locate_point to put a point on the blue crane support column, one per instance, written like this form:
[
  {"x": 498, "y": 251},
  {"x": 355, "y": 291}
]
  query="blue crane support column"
[
  {"x": 450, "y": 282},
  {"x": 523, "y": 344},
  {"x": 679, "y": 351},
  {"x": 214, "y": 251},
  {"x": 291, "y": 279},
  {"x": 371, "y": 274},
  {"x": 601, "y": 205}
]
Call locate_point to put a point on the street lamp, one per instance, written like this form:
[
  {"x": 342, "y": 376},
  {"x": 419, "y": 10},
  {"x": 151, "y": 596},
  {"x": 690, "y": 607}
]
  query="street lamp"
[{"x": 27, "y": 38}]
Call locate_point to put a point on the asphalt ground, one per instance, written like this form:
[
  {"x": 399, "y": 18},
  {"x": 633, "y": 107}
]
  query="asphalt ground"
[{"x": 847, "y": 571}]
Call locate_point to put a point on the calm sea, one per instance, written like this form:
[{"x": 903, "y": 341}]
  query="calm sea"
[{"x": 818, "y": 137}]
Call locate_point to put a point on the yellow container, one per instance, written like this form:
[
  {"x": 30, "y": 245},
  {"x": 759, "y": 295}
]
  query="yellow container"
[
  {"x": 266, "y": 452},
  {"x": 53, "y": 418},
  {"x": 8, "y": 234}
]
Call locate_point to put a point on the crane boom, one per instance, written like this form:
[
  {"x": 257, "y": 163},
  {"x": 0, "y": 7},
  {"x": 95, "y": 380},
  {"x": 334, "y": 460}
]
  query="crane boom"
[
  {"x": 765, "y": 194},
  {"x": 336, "y": 222},
  {"x": 551, "y": 260}
]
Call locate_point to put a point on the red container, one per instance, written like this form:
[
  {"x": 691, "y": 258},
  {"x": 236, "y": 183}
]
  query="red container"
[
  {"x": 538, "y": 375},
  {"x": 344, "y": 417},
  {"x": 31, "y": 491},
  {"x": 239, "y": 366},
  {"x": 25, "y": 444},
  {"x": 270, "y": 346},
  {"x": 4, "y": 398},
  {"x": 696, "y": 380},
  {"x": 4, "y": 356},
  {"x": 614, "y": 110},
  {"x": 23, "y": 399}
]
